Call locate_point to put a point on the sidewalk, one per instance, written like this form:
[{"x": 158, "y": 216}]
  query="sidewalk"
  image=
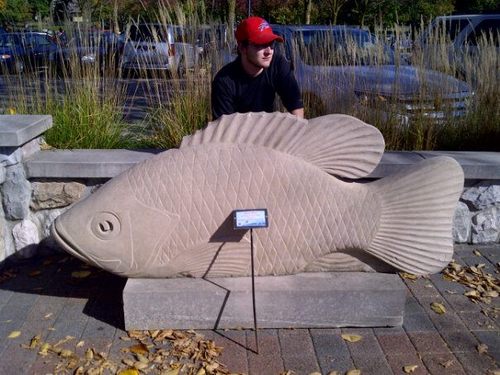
[{"x": 57, "y": 296}]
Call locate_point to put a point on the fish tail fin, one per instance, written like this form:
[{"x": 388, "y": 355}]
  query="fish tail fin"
[{"x": 415, "y": 231}]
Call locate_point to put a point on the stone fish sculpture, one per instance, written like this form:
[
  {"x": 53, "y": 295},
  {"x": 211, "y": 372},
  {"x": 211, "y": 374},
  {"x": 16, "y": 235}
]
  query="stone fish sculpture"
[{"x": 170, "y": 215}]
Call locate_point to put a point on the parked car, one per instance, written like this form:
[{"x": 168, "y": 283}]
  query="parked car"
[
  {"x": 149, "y": 47},
  {"x": 339, "y": 68},
  {"x": 189, "y": 47},
  {"x": 28, "y": 51},
  {"x": 460, "y": 37},
  {"x": 91, "y": 48}
]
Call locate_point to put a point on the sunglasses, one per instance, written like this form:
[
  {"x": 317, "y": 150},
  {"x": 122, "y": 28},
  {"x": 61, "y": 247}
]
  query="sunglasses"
[{"x": 259, "y": 47}]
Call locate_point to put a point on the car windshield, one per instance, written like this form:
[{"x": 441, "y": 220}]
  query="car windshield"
[
  {"x": 339, "y": 47},
  {"x": 148, "y": 33},
  {"x": 447, "y": 28},
  {"x": 9, "y": 40}
]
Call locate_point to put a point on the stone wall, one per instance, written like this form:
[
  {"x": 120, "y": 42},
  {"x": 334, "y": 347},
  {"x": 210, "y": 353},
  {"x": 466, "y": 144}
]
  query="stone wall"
[
  {"x": 477, "y": 217},
  {"x": 30, "y": 207}
]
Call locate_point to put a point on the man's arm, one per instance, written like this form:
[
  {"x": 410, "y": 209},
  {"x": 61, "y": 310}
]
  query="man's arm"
[
  {"x": 299, "y": 112},
  {"x": 222, "y": 99},
  {"x": 288, "y": 88}
]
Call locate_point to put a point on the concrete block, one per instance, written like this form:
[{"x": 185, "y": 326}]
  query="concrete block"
[
  {"x": 301, "y": 301},
  {"x": 83, "y": 163},
  {"x": 16, "y": 130}
]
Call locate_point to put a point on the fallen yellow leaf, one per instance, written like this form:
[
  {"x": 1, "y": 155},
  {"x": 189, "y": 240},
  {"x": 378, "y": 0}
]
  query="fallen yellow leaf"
[
  {"x": 201, "y": 371},
  {"x": 438, "y": 308},
  {"x": 14, "y": 334},
  {"x": 447, "y": 363},
  {"x": 174, "y": 371},
  {"x": 34, "y": 341},
  {"x": 129, "y": 371},
  {"x": 139, "y": 349},
  {"x": 80, "y": 344},
  {"x": 80, "y": 274},
  {"x": 351, "y": 338},
  {"x": 11, "y": 111},
  {"x": 354, "y": 372},
  {"x": 477, "y": 253},
  {"x": 65, "y": 353},
  {"x": 482, "y": 348},
  {"x": 44, "y": 349},
  {"x": 408, "y": 276},
  {"x": 410, "y": 369}
]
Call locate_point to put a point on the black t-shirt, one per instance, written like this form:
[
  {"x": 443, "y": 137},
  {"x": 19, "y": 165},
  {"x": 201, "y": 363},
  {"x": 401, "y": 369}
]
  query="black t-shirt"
[{"x": 235, "y": 91}]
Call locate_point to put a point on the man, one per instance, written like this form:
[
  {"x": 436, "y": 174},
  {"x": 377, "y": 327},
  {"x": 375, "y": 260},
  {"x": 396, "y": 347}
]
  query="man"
[{"x": 250, "y": 83}]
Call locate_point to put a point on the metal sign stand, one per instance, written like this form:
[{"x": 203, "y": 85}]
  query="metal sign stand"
[
  {"x": 250, "y": 219},
  {"x": 253, "y": 295}
]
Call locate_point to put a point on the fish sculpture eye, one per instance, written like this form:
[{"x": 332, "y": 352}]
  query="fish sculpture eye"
[{"x": 106, "y": 225}]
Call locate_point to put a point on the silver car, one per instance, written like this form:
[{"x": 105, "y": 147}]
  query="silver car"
[
  {"x": 149, "y": 47},
  {"x": 342, "y": 68}
]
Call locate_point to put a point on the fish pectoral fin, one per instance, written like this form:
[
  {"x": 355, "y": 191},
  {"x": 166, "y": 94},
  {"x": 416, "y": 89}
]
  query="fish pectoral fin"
[
  {"x": 350, "y": 261},
  {"x": 214, "y": 259}
]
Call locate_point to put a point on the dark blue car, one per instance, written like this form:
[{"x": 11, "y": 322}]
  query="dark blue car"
[{"x": 28, "y": 51}]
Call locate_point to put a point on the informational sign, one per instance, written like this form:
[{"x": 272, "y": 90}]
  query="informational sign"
[{"x": 249, "y": 219}]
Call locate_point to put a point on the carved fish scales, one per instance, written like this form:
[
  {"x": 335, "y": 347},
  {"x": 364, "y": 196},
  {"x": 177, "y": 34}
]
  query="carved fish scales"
[{"x": 171, "y": 215}]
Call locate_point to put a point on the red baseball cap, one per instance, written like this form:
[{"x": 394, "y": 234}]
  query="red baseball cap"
[{"x": 256, "y": 30}]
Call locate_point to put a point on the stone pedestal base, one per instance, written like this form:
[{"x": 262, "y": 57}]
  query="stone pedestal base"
[{"x": 347, "y": 299}]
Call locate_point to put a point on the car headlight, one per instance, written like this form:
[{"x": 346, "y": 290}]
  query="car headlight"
[
  {"x": 5, "y": 57},
  {"x": 88, "y": 58}
]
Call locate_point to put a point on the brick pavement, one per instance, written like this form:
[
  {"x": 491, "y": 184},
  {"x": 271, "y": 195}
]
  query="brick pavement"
[{"x": 44, "y": 299}]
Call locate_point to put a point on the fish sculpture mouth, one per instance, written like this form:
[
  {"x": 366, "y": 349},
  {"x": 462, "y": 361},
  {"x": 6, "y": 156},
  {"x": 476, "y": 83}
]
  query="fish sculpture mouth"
[{"x": 64, "y": 240}]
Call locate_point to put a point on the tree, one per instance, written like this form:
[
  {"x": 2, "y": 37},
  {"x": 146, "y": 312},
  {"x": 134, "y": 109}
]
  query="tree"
[
  {"x": 16, "y": 11},
  {"x": 334, "y": 7}
]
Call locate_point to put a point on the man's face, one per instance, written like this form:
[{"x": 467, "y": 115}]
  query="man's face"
[{"x": 260, "y": 55}]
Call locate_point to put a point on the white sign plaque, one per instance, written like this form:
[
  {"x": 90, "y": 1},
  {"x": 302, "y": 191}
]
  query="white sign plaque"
[{"x": 252, "y": 218}]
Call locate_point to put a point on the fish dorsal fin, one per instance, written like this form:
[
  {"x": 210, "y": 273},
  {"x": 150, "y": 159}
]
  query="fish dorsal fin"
[{"x": 339, "y": 144}]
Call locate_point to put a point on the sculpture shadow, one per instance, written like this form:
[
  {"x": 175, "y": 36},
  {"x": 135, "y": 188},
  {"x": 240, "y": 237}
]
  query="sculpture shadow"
[
  {"x": 51, "y": 273},
  {"x": 224, "y": 234}
]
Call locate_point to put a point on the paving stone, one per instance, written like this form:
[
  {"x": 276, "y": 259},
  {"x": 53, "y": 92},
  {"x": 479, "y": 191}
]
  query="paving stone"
[
  {"x": 395, "y": 344},
  {"x": 297, "y": 350},
  {"x": 461, "y": 303},
  {"x": 476, "y": 364},
  {"x": 444, "y": 286},
  {"x": 449, "y": 321},
  {"x": 71, "y": 321},
  {"x": 5, "y": 295},
  {"x": 331, "y": 350},
  {"x": 478, "y": 322},
  {"x": 13, "y": 314},
  {"x": 428, "y": 342},
  {"x": 475, "y": 260},
  {"x": 268, "y": 361},
  {"x": 422, "y": 288},
  {"x": 398, "y": 361},
  {"x": 460, "y": 341},
  {"x": 418, "y": 322},
  {"x": 18, "y": 359},
  {"x": 234, "y": 354},
  {"x": 412, "y": 306},
  {"x": 442, "y": 363},
  {"x": 492, "y": 340},
  {"x": 367, "y": 354}
]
